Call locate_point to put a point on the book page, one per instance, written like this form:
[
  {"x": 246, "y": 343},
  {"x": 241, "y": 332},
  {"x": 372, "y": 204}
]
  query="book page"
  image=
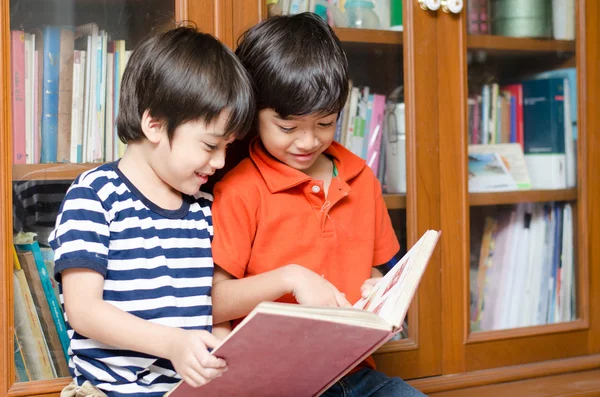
[{"x": 391, "y": 296}]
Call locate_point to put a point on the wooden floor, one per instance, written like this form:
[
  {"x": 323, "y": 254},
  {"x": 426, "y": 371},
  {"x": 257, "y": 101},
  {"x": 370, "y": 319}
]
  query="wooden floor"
[{"x": 578, "y": 384}]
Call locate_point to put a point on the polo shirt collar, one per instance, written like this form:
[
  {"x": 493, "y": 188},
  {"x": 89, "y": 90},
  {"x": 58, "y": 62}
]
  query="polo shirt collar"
[{"x": 279, "y": 176}]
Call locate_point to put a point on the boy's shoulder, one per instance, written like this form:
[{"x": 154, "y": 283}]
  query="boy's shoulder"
[
  {"x": 98, "y": 177},
  {"x": 203, "y": 199}
]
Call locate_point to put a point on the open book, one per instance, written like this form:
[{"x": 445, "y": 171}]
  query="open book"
[{"x": 289, "y": 349}]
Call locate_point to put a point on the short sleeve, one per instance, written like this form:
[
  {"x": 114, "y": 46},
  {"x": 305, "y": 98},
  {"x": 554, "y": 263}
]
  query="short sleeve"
[
  {"x": 81, "y": 236},
  {"x": 386, "y": 242},
  {"x": 234, "y": 223},
  {"x": 205, "y": 201}
]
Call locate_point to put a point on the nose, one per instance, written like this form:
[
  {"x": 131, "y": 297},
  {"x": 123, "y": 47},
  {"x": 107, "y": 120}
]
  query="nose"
[
  {"x": 217, "y": 160},
  {"x": 307, "y": 141}
]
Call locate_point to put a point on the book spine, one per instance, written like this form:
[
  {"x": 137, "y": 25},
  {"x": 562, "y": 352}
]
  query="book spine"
[
  {"x": 18, "y": 96},
  {"x": 54, "y": 305},
  {"x": 65, "y": 95},
  {"x": 50, "y": 82}
]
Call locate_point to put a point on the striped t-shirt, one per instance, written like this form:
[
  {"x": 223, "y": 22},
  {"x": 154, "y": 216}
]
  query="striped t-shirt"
[{"x": 157, "y": 265}]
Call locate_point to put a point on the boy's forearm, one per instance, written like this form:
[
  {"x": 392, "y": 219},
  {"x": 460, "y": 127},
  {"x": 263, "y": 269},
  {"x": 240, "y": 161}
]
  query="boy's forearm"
[
  {"x": 235, "y": 298},
  {"x": 108, "y": 324}
]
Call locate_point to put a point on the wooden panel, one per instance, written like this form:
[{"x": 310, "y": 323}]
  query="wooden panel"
[
  {"x": 452, "y": 112},
  {"x": 502, "y": 44},
  {"x": 247, "y": 14},
  {"x": 214, "y": 17},
  {"x": 348, "y": 35},
  {"x": 507, "y": 374},
  {"x": 59, "y": 171},
  {"x": 588, "y": 54},
  {"x": 423, "y": 198},
  {"x": 485, "y": 336},
  {"x": 522, "y": 196},
  {"x": 39, "y": 388},
  {"x": 580, "y": 384}
]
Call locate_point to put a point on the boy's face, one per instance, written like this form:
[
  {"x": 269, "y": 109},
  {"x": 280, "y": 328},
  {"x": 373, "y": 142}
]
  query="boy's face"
[
  {"x": 196, "y": 150},
  {"x": 296, "y": 140}
]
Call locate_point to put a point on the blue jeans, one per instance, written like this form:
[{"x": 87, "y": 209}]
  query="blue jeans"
[{"x": 370, "y": 383}]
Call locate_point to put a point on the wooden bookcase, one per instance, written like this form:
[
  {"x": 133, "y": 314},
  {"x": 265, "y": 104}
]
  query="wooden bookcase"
[{"x": 441, "y": 355}]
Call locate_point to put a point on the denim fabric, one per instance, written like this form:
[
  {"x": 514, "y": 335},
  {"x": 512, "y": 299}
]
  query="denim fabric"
[{"x": 370, "y": 383}]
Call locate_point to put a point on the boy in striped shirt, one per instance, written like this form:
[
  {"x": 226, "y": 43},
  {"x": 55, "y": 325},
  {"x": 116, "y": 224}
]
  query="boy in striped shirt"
[{"x": 133, "y": 238}]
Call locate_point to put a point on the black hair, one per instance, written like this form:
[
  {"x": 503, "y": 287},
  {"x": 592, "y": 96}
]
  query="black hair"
[
  {"x": 182, "y": 75},
  {"x": 297, "y": 63}
]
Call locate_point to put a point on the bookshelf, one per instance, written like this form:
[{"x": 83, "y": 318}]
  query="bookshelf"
[
  {"x": 442, "y": 355},
  {"x": 369, "y": 36},
  {"x": 500, "y": 44},
  {"x": 522, "y": 196}
]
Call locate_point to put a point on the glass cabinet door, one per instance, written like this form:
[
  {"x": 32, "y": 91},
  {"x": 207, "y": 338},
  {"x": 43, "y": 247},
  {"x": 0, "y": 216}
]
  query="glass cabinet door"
[
  {"x": 378, "y": 124},
  {"x": 67, "y": 59},
  {"x": 520, "y": 195}
]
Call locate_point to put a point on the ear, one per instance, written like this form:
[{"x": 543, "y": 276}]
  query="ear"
[{"x": 153, "y": 128}]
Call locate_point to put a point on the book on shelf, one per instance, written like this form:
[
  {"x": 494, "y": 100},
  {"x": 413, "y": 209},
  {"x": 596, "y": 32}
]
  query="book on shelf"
[
  {"x": 512, "y": 158},
  {"x": 539, "y": 113},
  {"x": 522, "y": 268},
  {"x": 488, "y": 173},
  {"x": 65, "y": 83},
  {"x": 304, "y": 349}
]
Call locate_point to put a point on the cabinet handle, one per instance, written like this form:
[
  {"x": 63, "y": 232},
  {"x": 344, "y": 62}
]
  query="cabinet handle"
[
  {"x": 431, "y": 5},
  {"x": 452, "y": 6}
]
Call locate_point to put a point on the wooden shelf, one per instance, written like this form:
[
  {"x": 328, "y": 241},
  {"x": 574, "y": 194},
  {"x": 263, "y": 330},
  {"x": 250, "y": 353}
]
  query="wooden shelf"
[
  {"x": 522, "y": 196},
  {"x": 55, "y": 172},
  {"x": 395, "y": 201},
  {"x": 370, "y": 36},
  {"x": 518, "y": 45}
]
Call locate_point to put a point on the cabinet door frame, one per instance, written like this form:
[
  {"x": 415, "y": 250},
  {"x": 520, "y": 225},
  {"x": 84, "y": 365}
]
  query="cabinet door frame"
[{"x": 577, "y": 342}]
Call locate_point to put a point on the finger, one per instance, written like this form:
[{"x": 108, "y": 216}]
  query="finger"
[
  {"x": 365, "y": 290},
  {"x": 341, "y": 300},
  {"x": 193, "y": 378},
  {"x": 372, "y": 281},
  {"x": 212, "y": 373},
  {"x": 210, "y": 340},
  {"x": 208, "y": 360}
]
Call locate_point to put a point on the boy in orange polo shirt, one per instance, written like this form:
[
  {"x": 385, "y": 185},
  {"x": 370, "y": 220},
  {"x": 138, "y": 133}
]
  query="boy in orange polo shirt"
[{"x": 302, "y": 219}]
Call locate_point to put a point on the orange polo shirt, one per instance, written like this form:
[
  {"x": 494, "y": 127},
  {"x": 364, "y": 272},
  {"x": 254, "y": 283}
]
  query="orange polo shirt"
[{"x": 267, "y": 215}]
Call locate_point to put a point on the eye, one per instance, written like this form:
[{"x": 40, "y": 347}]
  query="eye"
[
  {"x": 210, "y": 148},
  {"x": 326, "y": 125},
  {"x": 287, "y": 130}
]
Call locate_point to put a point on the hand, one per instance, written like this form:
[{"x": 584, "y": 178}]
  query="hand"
[
  {"x": 309, "y": 288},
  {"x": 367, "y": 287},
  {"x": 191, "y": 359}
]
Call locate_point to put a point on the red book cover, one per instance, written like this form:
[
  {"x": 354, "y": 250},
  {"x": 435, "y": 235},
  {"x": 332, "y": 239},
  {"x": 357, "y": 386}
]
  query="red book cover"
[
  {"x": 18, "y": 95},
  {"x": 269, "y": 354},
  {"x": 283, "y": 349}
]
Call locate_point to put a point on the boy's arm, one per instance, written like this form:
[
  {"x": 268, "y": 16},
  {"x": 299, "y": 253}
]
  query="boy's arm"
[
  {"x": 234, "y": 298},
  {"x": 91, "y": 316}
]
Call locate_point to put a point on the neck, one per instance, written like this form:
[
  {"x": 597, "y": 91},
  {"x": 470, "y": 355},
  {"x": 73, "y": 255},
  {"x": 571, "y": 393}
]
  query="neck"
[{"x": 137, "y": 167}]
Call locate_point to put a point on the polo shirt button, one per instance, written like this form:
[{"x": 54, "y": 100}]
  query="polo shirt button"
[{"x": 316, "y": 189}]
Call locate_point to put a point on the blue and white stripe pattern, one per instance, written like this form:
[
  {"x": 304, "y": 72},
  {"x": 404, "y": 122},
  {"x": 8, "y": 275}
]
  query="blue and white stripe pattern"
[{"x": 157, "y": 265}]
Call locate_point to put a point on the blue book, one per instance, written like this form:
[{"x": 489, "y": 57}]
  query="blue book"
[
  {"x": 544, "y": 132},
  {"x": 543, "y": 116},
  {"x": 571, "y": 75},
  {"x": 51, "y": 76},
  {"x": 513, "y": 119}
]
